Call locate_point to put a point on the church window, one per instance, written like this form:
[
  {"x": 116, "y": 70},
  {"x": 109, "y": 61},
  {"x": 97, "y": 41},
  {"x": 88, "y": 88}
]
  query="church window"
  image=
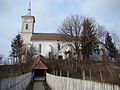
[
  {"x": 58, "y": 46},
  {"x": 26, "y": 27},
  {"x": 40, "y": 48}
]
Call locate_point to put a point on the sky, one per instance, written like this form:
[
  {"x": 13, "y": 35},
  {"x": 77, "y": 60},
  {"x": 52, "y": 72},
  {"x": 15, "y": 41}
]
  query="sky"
[{"x": 50, "y": 13}]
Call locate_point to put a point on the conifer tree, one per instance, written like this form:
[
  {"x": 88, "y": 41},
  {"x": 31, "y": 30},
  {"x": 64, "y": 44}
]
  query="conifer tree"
[
  {"x": 113, "y": 52},
  {"x": 17, "y": 50},
  {"x": 17, "y": 47},
  {"x": 88, "y": 38}
]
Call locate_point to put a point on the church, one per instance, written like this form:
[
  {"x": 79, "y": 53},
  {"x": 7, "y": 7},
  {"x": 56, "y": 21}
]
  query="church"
[
  {"x": 46, "y": 44},
  {"x": 49, "y": 45}
]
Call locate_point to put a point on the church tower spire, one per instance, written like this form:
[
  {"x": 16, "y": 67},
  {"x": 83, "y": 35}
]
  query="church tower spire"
[
  {"x": 27, "y": 26},
  {"x": 29, "y": 10}
]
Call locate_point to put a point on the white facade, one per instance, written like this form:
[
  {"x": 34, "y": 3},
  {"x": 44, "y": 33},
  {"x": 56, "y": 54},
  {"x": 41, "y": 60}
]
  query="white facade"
[{"x": 51, "y": 47}]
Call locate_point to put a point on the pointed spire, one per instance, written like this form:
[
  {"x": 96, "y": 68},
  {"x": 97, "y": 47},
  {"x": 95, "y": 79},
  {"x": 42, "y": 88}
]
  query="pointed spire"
[
  {"x": 29, "y": 4},
  {"x": 29, "y": 9}
]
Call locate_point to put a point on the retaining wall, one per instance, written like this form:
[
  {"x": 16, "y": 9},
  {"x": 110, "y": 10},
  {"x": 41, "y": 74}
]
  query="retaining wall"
[
  {"x": 64, "y": 83},
  {"x": 16, "y": 83}
]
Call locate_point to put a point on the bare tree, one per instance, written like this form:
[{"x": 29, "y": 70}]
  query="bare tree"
[
  {"x": 30, "y": 54},
  {"x": 72, "y": 27},
  {"x": 1, "y": 58},
  {"x": 101, "y": 33}
]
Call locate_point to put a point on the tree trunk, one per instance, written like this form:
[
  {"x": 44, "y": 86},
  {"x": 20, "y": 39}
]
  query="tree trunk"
[
  {"x": 101, "y": 76},
  {"x": 67, "y": 73},
  {"x": 83, "y": 74},
  {"x": 60, "y": 73},
  {"x": 90, "y": 74}
]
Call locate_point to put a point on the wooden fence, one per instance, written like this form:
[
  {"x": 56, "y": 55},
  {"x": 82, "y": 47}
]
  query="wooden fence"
[
  {"x": 65, "y": 83},
  {"x": 16, "y": 83}
]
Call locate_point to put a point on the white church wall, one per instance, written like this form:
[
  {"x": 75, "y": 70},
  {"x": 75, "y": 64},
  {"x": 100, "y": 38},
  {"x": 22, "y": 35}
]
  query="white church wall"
[
  {"x": 26, "y": 38},
  {"x": 50, "y": 46}
]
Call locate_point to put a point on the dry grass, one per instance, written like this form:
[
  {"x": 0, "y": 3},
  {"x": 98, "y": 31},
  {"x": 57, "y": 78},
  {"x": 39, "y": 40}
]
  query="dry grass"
[
  {"x": 13, "y": 70},
  {"x": 108, "y": 72}
]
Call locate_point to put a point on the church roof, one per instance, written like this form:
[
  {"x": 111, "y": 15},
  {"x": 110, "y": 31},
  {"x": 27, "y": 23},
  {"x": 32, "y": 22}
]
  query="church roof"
[
  {"x": 53, "y": 36},
  {"x": 47, "y": 36}
]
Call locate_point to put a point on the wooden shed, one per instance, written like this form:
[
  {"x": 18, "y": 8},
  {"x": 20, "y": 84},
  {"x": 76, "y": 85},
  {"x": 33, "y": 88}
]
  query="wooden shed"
[{"x": 39, "y": 67}]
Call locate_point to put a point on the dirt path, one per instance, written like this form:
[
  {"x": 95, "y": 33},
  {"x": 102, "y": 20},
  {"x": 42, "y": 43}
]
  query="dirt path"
[{"x": 38, "y": 83}]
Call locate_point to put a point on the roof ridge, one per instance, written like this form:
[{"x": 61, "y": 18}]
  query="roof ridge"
[
  {"x": 48, "y": 33},
  {"x": 47, "y": 36},
  {"x": 38, "y": 64}
]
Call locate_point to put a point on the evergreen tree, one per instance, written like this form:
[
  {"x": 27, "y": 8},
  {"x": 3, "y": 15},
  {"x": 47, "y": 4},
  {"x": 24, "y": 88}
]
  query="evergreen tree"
[
  {"x": 113, "y": 52},
  {"x": 17, "y": 47},
  {"x": 88, "y": 39},
  {"x": 17, "y": 50}
]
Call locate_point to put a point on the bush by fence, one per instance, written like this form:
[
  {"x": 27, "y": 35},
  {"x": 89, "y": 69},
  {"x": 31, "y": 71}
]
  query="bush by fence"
[
  {"x": 15, "y": 83},
  {"x": 64, "y": 83}
]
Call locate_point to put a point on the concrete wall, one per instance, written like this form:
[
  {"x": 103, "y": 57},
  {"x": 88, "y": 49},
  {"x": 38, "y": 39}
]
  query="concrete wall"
[
  {"x": 15, "y": 83},
  {"x": 64, "y": 83}
]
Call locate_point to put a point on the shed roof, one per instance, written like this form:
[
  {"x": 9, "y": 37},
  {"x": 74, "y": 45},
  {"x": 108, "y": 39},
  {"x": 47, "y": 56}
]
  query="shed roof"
[{"x": 38, "y": 64}]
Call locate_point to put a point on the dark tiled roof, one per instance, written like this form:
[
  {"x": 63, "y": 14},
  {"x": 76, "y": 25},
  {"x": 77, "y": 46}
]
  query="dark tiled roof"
[
  {"x": 54, "y": 36},
  {"x": 38, "y": 64},
  {"x": 47, "y": 36}
]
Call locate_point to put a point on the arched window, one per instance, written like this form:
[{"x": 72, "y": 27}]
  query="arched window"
[
  {"x": 58, "y": 46},
  {"x": 26, "y": 27},
  {"x": 40, "y": 48}
]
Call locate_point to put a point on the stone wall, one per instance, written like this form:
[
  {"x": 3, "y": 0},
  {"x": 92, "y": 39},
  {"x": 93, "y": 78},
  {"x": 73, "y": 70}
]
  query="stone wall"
[
  {"x": 64, "y": 83},
  {"x": 15, "y": 83}
]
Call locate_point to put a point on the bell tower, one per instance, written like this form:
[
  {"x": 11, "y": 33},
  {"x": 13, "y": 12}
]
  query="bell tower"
[{"x": 27, "y": 26}]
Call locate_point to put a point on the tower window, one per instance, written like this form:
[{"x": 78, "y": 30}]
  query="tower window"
[{"x": 26, "y": 27}]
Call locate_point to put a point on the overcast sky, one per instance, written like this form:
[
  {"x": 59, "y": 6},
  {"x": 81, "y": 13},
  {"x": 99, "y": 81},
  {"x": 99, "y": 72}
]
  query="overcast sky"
[{"x": 50, "y": 13}]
